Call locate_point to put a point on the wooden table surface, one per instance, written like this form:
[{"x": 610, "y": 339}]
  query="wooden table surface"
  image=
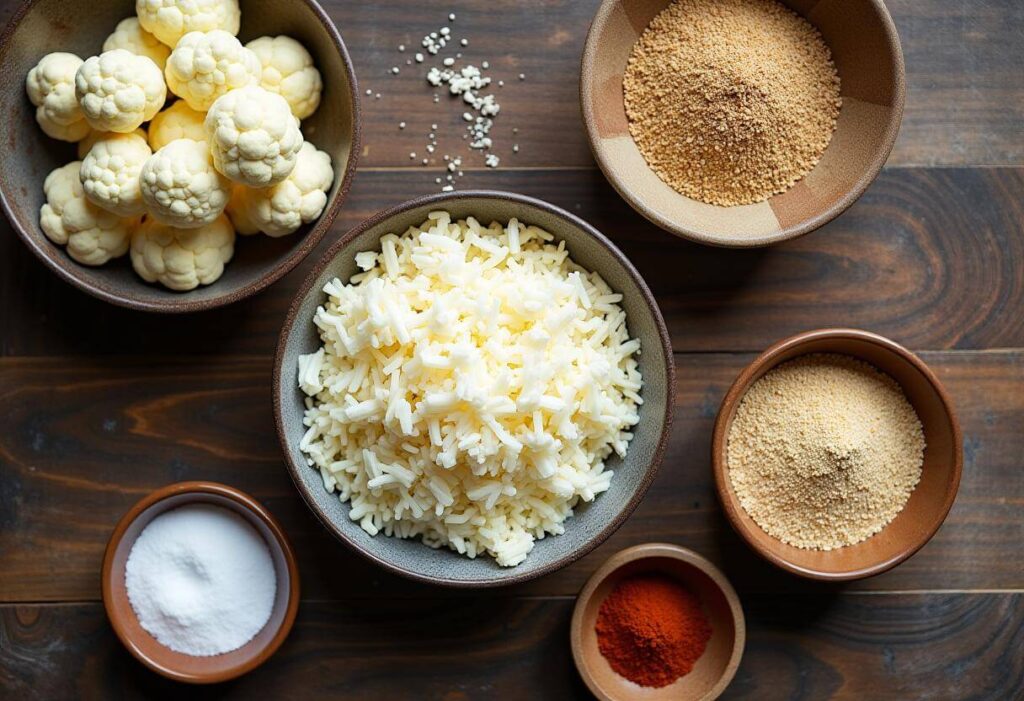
[{"x": 99, "y": 405}]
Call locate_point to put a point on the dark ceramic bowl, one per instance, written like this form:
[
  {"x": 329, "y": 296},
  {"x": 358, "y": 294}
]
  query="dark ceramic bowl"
[
  {"x": 866, "y": 50},
  {"x": 931, "y": 499},
  {"x": 146, "y": 648},
  {"x": 592, "y": 523},
  {"x": 28, "y": 155}
]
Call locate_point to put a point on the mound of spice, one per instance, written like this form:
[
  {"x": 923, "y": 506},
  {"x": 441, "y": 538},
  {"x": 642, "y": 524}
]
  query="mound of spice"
[
  {"x": 731, "y": 101},
  {"x": 651, "y": 629},
  {"x": 824, "y": 451}
]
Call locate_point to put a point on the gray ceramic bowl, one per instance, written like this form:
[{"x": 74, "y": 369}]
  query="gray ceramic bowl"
[
  {"x": 592, "y": 523},
  {"x": 28, "y": 155}
]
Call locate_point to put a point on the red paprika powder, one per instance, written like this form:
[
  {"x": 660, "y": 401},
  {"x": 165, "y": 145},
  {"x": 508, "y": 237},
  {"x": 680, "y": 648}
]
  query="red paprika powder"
[{"x": 651, "y": 629}]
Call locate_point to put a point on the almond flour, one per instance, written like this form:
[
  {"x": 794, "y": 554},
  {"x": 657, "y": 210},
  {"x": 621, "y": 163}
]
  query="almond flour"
[
  {"x": 731, "y": 101},
  {"x": 824, "y": 451}
]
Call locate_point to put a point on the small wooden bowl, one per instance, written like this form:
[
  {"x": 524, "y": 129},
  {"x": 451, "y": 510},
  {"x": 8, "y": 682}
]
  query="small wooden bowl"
[
  {"x": 163, "y": 660},
  {"x": 929, "y": 502},
  {"x": 716, "y": 667},
  {"x": 28, "y": 155},
  {"x": 866, "y": 50}
]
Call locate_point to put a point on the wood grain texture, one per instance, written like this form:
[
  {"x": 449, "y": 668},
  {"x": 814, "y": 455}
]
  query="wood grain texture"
[
  {"x": 842, "y": 646},
  {"x": 86, "y": 439},
  {"x": 930, "y": 257}
]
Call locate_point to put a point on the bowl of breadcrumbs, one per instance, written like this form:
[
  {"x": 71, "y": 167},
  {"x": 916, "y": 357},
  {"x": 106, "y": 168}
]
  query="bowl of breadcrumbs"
[
  {"x": 742, "y": 123},
  {"x": 837, "y": 454}
]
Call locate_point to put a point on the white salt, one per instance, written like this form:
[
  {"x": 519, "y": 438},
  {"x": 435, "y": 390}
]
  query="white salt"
[{"x": 201, "y": 580}]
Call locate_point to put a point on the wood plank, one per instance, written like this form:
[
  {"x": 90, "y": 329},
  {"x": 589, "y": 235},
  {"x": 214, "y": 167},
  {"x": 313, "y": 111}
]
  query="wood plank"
[
  {"x": 831, "y": 645},
  {"x": 929, "y": 257},
  {"x": 85, "y": 439},
  {"x": 965, "y": 98}
]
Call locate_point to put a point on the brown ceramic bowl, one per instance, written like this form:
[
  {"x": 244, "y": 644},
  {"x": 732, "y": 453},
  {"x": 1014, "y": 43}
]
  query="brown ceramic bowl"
[
  {"x": 591, "y": 523},
  {"x": 716, "y": 667},
  {"x": 175, "y": 665},
  {"x": 28, "y": 155},
  {"x": 929, "y": 502},
  {"x": 866, "y": 50}
]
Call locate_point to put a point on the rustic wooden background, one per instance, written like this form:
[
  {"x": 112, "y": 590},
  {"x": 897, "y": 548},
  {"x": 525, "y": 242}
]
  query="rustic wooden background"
[{"x": 99, "y": 405}]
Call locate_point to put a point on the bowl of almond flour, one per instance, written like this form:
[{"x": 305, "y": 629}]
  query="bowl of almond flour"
[
  {"x": 837, "y": 454},
  {"x": 741, "y": 123}
]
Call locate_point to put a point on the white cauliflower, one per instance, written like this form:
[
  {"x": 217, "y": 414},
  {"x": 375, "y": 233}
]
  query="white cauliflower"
[
  {"x": 206, "y": 65},
  {"x": 170, "y": 20},
  {"x": 51, "y": 89},
  {"x": 110, "y": 173},
  {"x": 182, "y": 259},
  {"x": 254, "y": 137},
  {"x": 288, "y": 70},
  {"x": 283, "y": 208},
  {"x": 181, "y": 187},
  {"x": 130, "y": 36},
  {"x": 92, "y": 235},
  {"x": 119, "y": 90},
  {"x": 93, "y": 136},
  {"x": 179, "y": 121}
]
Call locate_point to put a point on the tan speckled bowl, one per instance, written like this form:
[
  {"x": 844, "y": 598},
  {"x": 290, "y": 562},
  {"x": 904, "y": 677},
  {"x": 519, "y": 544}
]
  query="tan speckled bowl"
[{"x": 866, "y": 50}]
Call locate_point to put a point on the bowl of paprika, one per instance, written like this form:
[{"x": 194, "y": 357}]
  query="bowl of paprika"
[{"x": 657, "y": 621}]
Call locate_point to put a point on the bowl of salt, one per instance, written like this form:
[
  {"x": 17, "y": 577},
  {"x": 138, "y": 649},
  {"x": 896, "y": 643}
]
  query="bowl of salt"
[{"x": 200, "y": 582}]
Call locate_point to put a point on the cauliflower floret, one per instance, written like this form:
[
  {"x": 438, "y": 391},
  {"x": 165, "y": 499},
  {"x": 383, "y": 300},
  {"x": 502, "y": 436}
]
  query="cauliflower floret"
[
  {"x": 288, "y": 70},
  {"x": 205, "y": 65},
  {"x": 283, "y": 208},
  {"x": 238, "y": 211},
  {"x": 51, "y": 88},
  {"x": 170, "y": 20},
  {"x": 119, "y": 90},
  {"x": 93, "y": 136},
  {"x": 254, "y": 137},
  {"x": 182, "y": 259},
  {"x": 92, "y": 235},
  {"x": 181, "y": 187},
  {"x": 179, "y": 121},
  {"x": 110, "y": 173},
  {"x": 130, "y": 36}
]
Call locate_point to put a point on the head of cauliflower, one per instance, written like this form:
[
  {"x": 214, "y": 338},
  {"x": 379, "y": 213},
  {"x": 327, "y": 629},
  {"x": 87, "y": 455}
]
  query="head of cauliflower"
[
  {"x": 179, "y": 121},
  {"x": 130, "y": 36},
  {"x": 119, "y": 90},
  {"x": 280, "y": 210},
  {"x": 254, "y": 137},
  {"x": 182, "y": 259},
  {"x": 206, "y": 65},
  {"x": 51, "y": 89},
  {"x": 288, "y": 70},
  {"x": 180, "y": 186},
  {"x": 110, "y": 173},
  {"x": 170, "y": 20},
  {"x": 92, "y": 235}
]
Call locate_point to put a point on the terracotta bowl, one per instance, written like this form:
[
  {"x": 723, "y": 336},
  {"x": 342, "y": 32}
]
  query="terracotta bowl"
[
  {"x": 28, "y": 155},
  {"x": 866, "y": 50},
  {"x": 929, "y": 502},
  {"x": 593, "y": 522},
  {"x": 716, "y": 667},
  {"x": 145, "y": 648}
]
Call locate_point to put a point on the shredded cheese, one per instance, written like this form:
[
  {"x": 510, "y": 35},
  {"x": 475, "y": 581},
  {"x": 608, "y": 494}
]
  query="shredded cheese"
[{"x": 471, "y": 384}]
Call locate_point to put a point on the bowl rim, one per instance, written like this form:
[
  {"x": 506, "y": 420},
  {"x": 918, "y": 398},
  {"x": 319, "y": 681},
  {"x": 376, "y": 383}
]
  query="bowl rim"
[
  {"x": 610, "y": 169},
  {"x": 440, "y": 200},
  {"x": 770, "y": 358},
  {"x": 646, "y": 551},
  {"x": 251, "y": 506},
  {"x": 182, "y": 304}
]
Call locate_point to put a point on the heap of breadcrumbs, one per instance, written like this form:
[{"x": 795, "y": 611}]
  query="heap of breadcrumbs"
[{"x": 731, "y": 101}]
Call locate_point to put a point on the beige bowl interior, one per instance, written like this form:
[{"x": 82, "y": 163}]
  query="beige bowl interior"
[{"x": 867, "y": 54}]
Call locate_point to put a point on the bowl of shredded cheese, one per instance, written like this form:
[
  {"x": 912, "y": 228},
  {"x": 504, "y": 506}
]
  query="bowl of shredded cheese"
[{"x": 473, "y": 388}]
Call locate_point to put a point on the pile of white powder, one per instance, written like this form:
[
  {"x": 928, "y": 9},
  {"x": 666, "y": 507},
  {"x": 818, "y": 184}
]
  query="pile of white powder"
[{"x": 201, "y": 580}]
